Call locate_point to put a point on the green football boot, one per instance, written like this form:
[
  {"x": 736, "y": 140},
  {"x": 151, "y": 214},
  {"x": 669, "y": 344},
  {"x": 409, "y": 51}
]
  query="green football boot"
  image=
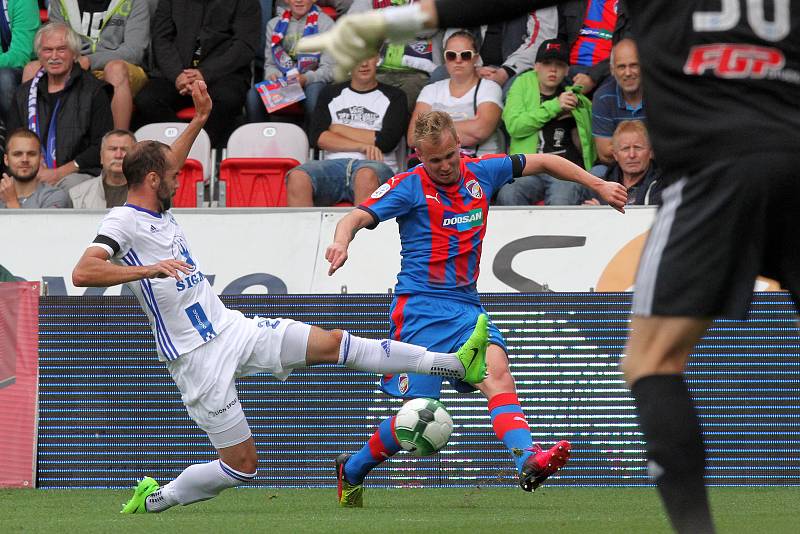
[
  {"x": 473, "y": 353},
  {"x": 350, "y": 495},
  {"x": 136, "y": 505}
]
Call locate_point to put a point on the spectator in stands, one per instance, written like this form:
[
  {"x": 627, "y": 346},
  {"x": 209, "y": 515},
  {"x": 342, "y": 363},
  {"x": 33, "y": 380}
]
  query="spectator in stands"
[
  {"x": 633, "y": 165},
  {"x": 542, "y": 115},
  {"x": 214, "y": 41},
  {"x": 509, "y": 48},
  {"x": 474, "y": 103},
  {"x": 18, "y": 24},
  {"x": 110, "y": 189},
  {"x": 619, "y": 99},
  {"x": 20, "y": 186},
  {"x": 114, "y": 36},
  {"x": 71, "y": 111},
  {"x": 313, "y": 71},
  {"x": 404, "y": 65},
  {"x": 359, "y": 125},
  {"x": 590, "y": 27}
]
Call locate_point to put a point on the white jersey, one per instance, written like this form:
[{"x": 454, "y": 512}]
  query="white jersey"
[{"x": 183, "y": 314}]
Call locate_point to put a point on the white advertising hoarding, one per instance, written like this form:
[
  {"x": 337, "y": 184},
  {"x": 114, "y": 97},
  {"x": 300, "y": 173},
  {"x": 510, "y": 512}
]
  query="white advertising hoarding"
[{"x": 283, "y": 251}]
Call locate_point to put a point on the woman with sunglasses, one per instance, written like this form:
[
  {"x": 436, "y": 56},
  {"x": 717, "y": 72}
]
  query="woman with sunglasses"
[{"x": 474, "y": 104}]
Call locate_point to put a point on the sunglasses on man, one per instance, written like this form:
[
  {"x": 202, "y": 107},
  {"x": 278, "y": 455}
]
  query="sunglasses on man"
[{"x": 466, "y": 55}]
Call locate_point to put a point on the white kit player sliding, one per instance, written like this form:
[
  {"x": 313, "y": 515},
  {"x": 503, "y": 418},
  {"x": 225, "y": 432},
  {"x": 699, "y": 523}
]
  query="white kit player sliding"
[{"x": 206, "y": 346}]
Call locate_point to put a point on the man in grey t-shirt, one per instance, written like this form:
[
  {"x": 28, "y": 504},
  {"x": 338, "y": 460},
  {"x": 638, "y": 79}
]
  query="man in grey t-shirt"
[{"x": 19, "y": 186}]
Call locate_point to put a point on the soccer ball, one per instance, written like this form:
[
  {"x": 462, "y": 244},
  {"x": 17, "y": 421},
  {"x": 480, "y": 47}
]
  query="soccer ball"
[{"x": 423, "y": 426}]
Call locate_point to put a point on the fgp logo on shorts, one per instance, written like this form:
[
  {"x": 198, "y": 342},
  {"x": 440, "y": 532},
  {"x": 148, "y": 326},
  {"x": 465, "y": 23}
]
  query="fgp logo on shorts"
[{"x": 463, "y": 221}]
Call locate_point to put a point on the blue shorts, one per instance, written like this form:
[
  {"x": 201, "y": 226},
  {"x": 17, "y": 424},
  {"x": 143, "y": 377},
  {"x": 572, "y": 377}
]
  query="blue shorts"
[
  {"x": 332, "y": 179},
  {"x": 441, "y": 325}
]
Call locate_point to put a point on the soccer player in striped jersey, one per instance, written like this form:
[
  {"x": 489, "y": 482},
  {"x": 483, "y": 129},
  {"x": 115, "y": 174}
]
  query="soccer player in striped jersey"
[
  {"x": 722, "y": 79},
  {"x": 441, "y": 207},
  {"x": 206, "y": 346}
]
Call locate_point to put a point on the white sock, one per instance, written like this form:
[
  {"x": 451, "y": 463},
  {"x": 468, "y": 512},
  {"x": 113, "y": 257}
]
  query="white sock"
[
  {"x": 388, "y": 357},
  {"x": 197, "y": 482}
]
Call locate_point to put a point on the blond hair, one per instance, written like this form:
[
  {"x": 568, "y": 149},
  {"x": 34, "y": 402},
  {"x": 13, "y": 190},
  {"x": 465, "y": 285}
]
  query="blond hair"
[
  {"x": 630, "y": 127},
  {"x": 430, "y": 125}
]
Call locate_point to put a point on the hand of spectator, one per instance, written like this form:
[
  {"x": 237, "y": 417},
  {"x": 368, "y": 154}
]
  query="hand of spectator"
[
  {"x": 8, "y": 193},
  {"x": 584, "y": 80},
  {"x": 336, "y": 254},
  {"x": 182, "y": 84},
  {"x": 500, "y": 76},
  {"x": 47, "y": 175},
  {"x": 485, "y": 72},
  {"x": 84, "y": 62},
  {"x": 568, "y": 101},
  {"x": 274, "y": 76},
  {"x": 372, "y": 152},
  {"x": 168, "y": 268},
  {"x": 591, "y": 202},
  {"x": 193, "y": 75},
  {"x": 614, "y": 194},
  {"x": 201, "y": 100}
]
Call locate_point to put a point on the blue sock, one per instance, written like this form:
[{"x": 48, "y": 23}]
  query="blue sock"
[{"x": 381, "y": 446}]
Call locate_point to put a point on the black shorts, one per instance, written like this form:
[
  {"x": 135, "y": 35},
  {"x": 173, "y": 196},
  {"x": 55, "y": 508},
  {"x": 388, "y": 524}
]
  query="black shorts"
[{"x": 716, "y": 232}]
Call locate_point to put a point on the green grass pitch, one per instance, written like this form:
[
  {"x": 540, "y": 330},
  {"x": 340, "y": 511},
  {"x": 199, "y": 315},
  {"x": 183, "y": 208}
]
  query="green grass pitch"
[{"x": 468, "y": 510}]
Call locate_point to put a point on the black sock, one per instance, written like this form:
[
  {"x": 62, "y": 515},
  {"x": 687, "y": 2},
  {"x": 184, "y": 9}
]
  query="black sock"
[{"x": 675, "y": 451}]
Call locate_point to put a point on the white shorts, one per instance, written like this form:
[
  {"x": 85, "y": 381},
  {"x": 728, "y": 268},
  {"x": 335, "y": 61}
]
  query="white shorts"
[{"x": 207, "y": 375}]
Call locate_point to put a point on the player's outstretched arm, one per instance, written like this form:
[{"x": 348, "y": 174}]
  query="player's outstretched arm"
[
  {"x": 202, "y": 109},
  {"x": 346, "y": 229},
  {"x": 94, "y": 270},
  {"x": 613, "y": 193}
]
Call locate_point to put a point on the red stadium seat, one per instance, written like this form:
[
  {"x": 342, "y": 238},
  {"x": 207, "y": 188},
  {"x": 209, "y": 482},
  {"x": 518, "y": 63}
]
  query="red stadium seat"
[
  {"x": 187, "y": 195},
  {"x": 254, "y": 182},
  {"x": 186, "y": 114}
]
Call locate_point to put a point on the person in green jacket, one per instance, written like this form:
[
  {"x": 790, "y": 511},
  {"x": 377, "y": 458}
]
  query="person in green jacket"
[
  {"x": 543, "y": 116},
  {"x": 18, "y": 24}
]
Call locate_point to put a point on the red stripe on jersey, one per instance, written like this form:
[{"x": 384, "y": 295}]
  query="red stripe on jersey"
[
  {"x": 398, "y": 317},
  {"x": 440, "y": 237}
]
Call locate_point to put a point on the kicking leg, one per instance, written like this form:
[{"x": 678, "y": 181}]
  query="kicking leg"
[
  {"x": 390, "y": 357},
  {"x": 657, "y": 352}
]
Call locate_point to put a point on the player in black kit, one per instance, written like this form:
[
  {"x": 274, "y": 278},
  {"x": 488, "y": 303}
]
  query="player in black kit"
[{"x": 722, "y": 79}]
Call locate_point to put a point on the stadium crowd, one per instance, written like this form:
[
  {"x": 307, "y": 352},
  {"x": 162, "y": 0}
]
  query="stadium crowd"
[{"x": 562, "y": 80}]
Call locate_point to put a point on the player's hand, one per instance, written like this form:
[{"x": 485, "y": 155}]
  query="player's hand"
[
  {"x": 168, "y": 268},
  {"x": 372, "y": 152},
  {"x": 8, "y": 192},
  {"x": 336, "y": 254},
  {"x": 568, "y": 101},
  {"x": 201, "y": 100},
  {"x": 352, "y": 39},
  {"x": 614, "y": 194},
  {"x": 584, "y": 80}
]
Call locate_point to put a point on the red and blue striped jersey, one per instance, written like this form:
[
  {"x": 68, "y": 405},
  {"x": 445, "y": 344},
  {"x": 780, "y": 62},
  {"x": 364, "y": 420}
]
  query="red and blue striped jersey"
[{"x": 441, "y": 227}]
